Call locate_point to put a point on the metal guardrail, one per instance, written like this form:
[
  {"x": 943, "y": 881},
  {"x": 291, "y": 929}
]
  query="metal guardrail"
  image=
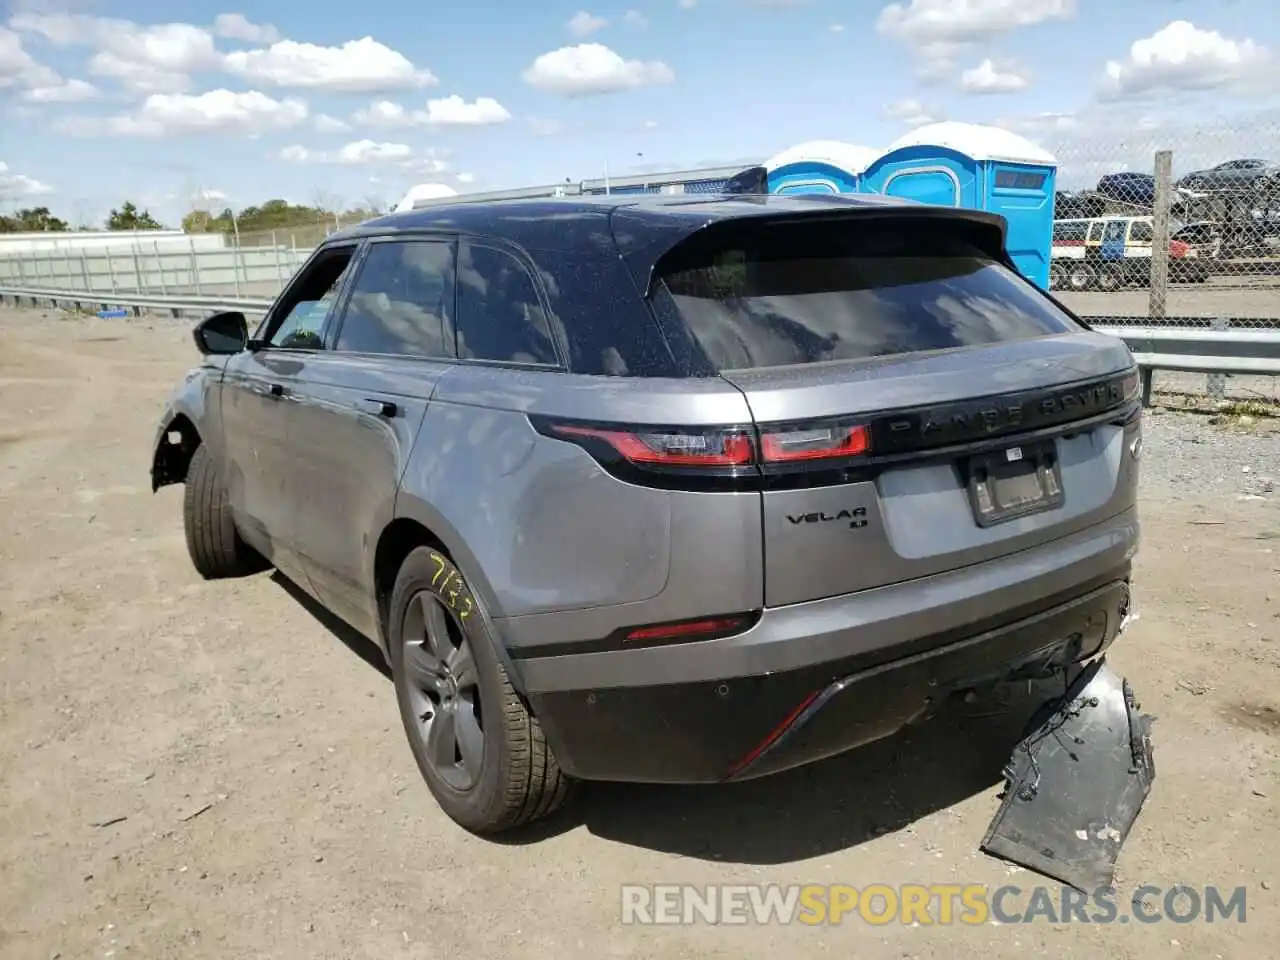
[{"x": 1173, "y": 345}]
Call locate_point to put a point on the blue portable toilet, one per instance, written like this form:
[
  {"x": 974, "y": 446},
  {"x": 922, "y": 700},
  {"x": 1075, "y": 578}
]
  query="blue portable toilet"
[
  {"x": 819, "y": 166},
  {"x": 985, "y": 168}
]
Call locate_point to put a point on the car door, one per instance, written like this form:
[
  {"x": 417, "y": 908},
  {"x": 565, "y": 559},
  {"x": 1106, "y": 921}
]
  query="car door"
[
  {"x": 258, "y": 390},
  {"x": 1113, "y": 241},
  {"x": 356, "y": 408}
]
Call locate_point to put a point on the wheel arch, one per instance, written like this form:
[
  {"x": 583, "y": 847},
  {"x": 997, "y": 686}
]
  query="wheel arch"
[
  {"x": 175, "y": 445},
  {"x": 415, "y": 524}
]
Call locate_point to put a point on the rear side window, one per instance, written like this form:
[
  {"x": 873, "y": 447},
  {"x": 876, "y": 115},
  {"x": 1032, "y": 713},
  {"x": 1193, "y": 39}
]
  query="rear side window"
[
  {"x": 500, "y": 315},
  {"x": 401, "y": 300},
  {"x": 1141, "y": 232},
  {"x": 1069, "y": 232},
  {"x": 802, "y": 294}
]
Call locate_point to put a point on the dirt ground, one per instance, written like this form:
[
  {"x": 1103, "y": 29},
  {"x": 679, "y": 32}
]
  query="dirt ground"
[{"x": 193, "y": 769}]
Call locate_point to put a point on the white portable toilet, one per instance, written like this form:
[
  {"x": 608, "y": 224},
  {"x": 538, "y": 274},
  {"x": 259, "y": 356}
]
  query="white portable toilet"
[
  {"x": 819, "y": 166},
  {"x": 956, "y": 164}
]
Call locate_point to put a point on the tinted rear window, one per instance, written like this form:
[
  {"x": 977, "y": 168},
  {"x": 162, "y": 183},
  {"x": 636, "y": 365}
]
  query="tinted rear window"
[{"x": 806, "y": 294}]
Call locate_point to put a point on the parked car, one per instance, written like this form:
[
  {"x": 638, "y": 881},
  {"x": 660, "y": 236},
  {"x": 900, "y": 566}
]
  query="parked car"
[
  {"x": 663, "y": 489},
  {"x": 1249, "y": 174},
  {"x": 1203, "y": 236},
  {"x": 1108, "y": 253},
  {"x": 1072, "y": 206},
  {"x": 1135, "y": 188}
]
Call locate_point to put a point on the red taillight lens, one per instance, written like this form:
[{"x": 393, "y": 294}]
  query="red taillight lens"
[
  {"x": 814, "y": 443},
  {"x": 709, "y": 448},
  {"x": 690, "y": 628}
]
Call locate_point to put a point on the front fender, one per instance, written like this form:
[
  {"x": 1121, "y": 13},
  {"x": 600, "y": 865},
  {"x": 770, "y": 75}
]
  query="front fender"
[{"x": 192, "y": 410}]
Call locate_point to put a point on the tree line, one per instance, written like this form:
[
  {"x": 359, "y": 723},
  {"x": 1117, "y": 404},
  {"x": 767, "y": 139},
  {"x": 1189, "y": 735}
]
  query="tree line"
[
  {"x": 271, "y": 215},
  {"x": 42, "y": 220}
]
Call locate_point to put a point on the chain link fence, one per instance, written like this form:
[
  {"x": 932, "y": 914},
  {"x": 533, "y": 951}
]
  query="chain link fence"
[{"x": 1169, "y": 223}]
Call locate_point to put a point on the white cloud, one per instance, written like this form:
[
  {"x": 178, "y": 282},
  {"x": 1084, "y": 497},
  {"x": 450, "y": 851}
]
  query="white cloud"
[
  {"x": 1182, "y": 57},
  {"x": 939, "y": 30},
  {"x": 324, "y": 123},
  {"x": 987, "y": 77},
  {"x": 634, "y": 18},
  {"x": 19, "y": 68},
  {"x": 466, "y": 177},
  {"x": 687, "y": 4},
  {"x": 363, "y": 65},
  {"x": 17, "y": 186},
  {"x": 151, "y": 59},
  {"x": 446, "y": 111},
  {"x": 454, "y": 111},
  {"x": 924, "y": 22},
  {"x": 219, "y": 111},
  {"x": 368, "y": 153},
  {"x": 582, "y": 24},
  {"x": 236, "y": 26},
  {"x": 592, "y": 68},
  {"x": 911, "y": 112},
  {"x": 837, "y": 28},
  {"x": 68, "y": 91}
]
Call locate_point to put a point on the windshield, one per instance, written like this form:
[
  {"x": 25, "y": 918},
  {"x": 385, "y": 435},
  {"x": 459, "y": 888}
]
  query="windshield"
[{"x": 788, "y": 298}]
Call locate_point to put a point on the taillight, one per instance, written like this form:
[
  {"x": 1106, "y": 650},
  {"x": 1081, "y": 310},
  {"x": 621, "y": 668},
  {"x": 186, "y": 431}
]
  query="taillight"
[
  {"x": 724, "y": 457},
  {"x": 824, "y": 442},
  {"x": 667, "y": 446}
]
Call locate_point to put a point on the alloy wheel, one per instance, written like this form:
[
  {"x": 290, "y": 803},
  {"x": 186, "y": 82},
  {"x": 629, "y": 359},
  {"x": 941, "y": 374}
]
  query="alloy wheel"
[{"x": 443, "y": 691}]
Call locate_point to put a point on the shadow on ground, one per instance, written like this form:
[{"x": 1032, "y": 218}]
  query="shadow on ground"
[{"x": 822, "y": 808}]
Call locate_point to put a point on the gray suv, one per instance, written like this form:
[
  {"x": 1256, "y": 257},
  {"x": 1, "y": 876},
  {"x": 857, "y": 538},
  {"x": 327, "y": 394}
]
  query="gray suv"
[{"x": 668, "y": 489}]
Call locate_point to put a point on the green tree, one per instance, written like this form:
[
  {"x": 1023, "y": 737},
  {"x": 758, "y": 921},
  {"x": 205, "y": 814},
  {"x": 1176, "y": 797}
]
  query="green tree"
[
  {"x": 128, "y": 217},
  {"x": 31, "y": 219}
]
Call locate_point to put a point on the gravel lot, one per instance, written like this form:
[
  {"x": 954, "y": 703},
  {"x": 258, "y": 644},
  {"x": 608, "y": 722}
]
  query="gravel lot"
[{"x": 199, "y": 770}]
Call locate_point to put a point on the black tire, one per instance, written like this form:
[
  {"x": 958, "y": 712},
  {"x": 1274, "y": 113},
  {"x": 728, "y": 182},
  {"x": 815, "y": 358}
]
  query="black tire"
[
  {"x": 517, "y": 780},
  {"x": 212, "y": 539},
  {"x": 1080, "y": 277},
  {"x": 1057, "y": 276},
  {"x": 1110, "y": 279}
]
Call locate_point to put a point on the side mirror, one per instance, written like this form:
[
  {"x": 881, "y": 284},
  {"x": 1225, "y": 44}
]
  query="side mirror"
[{"x": 222, "y": 333}]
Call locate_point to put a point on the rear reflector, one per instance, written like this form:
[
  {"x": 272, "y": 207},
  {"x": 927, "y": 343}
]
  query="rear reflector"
[
  {"x": 711, "y": 626},
  {"x": 758, "y": 750}
]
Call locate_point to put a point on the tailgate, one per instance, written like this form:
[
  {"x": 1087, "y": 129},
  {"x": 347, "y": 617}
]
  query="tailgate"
[{"x": 920, "y": 406}]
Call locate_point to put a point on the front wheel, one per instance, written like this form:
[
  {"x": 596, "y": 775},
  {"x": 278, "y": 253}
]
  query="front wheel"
[
  {"x": 1057, "y": 276},
  {"x": 481, "y": 752},
  {"x": 213, "y": 542},
  {"x": 1080, "y": 277}
]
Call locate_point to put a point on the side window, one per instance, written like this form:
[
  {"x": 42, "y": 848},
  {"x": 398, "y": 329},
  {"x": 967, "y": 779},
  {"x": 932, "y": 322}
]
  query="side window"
[
  {"x": 298, "y": 320},
  {"x": 1114, "y": 231},
  {"x": 401, "y": 301},
  {"x": 500, "y": 316},
  {"x": 1142, "y": 232},
  {"x": 1095, "y": 231}
]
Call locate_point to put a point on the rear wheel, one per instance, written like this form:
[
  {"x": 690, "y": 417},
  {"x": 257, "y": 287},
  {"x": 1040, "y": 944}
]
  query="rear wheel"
[
  {"x": 1080, "y": 277},
  {"x": 1057, "y": 276},
  {"x": 481, "y": 752},
  {"x": 1110, "y": 279},
  {"x": 213, "y": 542}
]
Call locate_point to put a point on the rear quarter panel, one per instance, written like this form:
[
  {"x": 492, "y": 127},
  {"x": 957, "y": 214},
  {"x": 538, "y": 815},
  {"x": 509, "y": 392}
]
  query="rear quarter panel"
[{"x": 546, "y": 531}]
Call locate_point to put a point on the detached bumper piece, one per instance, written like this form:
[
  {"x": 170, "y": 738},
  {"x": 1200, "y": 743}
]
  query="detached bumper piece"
[{"x": 1075, "y": 786}]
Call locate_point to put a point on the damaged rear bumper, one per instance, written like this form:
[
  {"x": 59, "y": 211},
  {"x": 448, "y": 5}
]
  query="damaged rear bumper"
[{"x": 1075, "y": 785}]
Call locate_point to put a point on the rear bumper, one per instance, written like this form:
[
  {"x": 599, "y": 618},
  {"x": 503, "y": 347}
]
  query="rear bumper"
[{"x": 748, "y": 727}]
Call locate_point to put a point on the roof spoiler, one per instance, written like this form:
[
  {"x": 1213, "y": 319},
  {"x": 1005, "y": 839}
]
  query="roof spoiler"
[{"x": 753, "y": 180}]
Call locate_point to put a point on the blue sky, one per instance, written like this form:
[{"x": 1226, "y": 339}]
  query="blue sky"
[{"x": 108, "y": 101}]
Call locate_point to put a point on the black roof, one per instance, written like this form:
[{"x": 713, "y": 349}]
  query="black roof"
[{"x": 643, "y": 226}]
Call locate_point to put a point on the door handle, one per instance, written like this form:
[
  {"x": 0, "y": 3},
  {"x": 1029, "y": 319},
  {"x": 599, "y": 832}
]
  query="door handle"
[
  {"x": 273, "y": 390},
  {"x": 378, "y": 408}
]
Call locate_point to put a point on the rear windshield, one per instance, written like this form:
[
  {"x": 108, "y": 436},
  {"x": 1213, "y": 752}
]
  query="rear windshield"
[{"x": 807, "y": 294}]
